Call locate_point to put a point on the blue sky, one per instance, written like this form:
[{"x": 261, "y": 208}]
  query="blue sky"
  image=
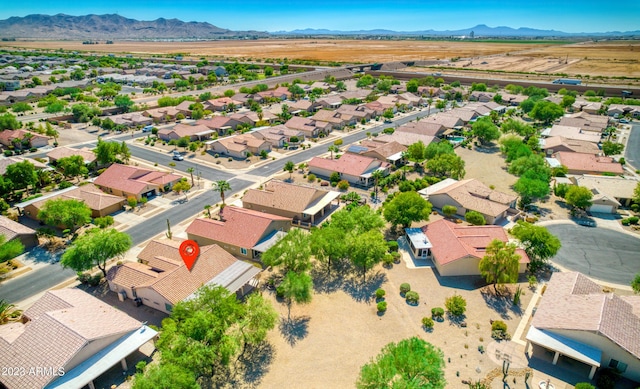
[{"x": 399, "y": 15}]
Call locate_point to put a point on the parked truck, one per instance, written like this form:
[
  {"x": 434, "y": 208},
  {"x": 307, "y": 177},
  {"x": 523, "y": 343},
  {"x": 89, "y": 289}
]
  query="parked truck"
[{"x": 567, "y": 81}]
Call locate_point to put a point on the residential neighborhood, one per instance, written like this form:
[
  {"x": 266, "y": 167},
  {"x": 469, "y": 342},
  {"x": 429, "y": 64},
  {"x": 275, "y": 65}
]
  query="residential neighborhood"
[{"x": 211, "y": 223}]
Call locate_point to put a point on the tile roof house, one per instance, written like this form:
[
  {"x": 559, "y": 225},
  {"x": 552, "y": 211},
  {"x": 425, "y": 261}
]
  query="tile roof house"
[
  {"x": 573, "y": 133},
  {"x": 241, "y": 232},
  {"x": 423, "y": 127},
  {"x": 456, "y": 250},
  {"x": 162, "y": 114},
  {"x": 310, "y": 127},
  {"x": 239, "y": 146},
  {"x": 407, "y": 138},
  {"x": 619, "y": 188},
  {"x": 100, "y": 203},
  {"x": 579, "y": 163},
  {"x": 5, "y": 162},
  {"x": 279, "y": 135},
  {"x": 445, "y": 120},
  {"x": 63, "y": 152},
  {"x": 280, "y": 92},
  {"x": 222, "y": 124},
  {"x": 15, "y": 231},
  {"x": 131, "y": 119},
  {"x": 252, "y": 118},
  {"x": 577, "y": 320},
  {"x": 125, "y": 181},
  {"x": 71, "y": 338},
  {"x": 299, "y": 203},
  {"x": 222, "y": 104},
  {"x": 554, "y": 144},
  {"x": 7, "y": 137},
  {"x": 356, "y": 169},
  {"x": 193, "y": 132},
  {"x": 160, "y": 279},
  {"x": 623, "y": 109},
  {"x": 585, "y": 123},
  {"x": 391, "y": 152},
  {"x": 470, "y": 195},
  {"x": 336, "y": 119}
]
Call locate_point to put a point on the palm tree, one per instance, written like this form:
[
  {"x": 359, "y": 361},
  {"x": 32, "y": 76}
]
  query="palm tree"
[
  {"x": 376, "y": 175},
  {"x": 333, "y": 149},
  {"x": 190, "y": 171},
  {"x": 221, "y": 186},
  {"x": 8, "y": 312},
  {"x": 208, "y": 209}
]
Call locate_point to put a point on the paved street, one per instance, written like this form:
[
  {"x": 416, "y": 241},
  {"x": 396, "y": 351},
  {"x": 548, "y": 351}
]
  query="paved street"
[
  {"x": 601, "y": 253},
  {"x": 632, "y": 151}
]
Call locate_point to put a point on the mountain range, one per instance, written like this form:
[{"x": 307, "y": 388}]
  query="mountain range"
[
  {"x": 112, "y": 26},
  {"x": 66, "y": 27},
  {"x": 480, "y": 30}
]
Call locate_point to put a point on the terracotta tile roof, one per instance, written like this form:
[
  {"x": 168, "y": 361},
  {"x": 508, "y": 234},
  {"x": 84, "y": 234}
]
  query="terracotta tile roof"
[
  {"x": 576, "y": 146},
  {"x": 423, "y": 127},
  {"x": 280, "y": 130},
  {"x": 241, "y": 227},
  {"x": 131, "y": 179},
  {"x": 7, "y": 136},
  {"x": 182, "y": 130},
  {"x": 301, "y": 123},
  {"x": 474, "y": 195},
  {"x": 241, "y": 142},
  {"x": 572, "y": 133},
  {"x": 281, "y": 195},
  {"x": 572, "y": 302},
  {"x": 443, "y": 119},
  {"x": 588, "y": 163},
  {"x": 452, "y": 241},
  {"x": 11, "y": 229},
  {"x": 618, "y": 187},
  {"x": 407, "y": 138},
  {"x": 60, "y": 324},
  {"x": 176, "y": 282},
  {"x": 217, "y": 122},
  {"x": 90, "y": 194},
  {"x": 352, "y": 164},
  {"x": 63, "y": 152},
  {"x": 4, "y": 162}
]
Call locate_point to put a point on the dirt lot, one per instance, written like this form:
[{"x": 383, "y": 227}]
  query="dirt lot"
[
  {"x": 325, "y": 343},
  {"x": 488, "y": 166},
  {"x": 610, "y": 58}
]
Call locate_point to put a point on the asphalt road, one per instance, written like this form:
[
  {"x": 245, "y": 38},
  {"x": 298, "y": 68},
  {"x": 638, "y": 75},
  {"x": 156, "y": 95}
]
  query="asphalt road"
[
  {"x": 601, "y": 253},
  {"x": 34, "y": 282},
  {"x": 632, "y": 151}
]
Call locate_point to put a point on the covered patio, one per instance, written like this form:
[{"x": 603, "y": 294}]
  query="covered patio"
[
  {"x": 561, "y": 345},
  {"x": 316, "y": 210},
  {"x": 418, "y": 242}
]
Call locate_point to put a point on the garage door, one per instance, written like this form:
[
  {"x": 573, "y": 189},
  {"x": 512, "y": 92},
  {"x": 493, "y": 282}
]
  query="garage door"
[{"x": 601, "y": 208}]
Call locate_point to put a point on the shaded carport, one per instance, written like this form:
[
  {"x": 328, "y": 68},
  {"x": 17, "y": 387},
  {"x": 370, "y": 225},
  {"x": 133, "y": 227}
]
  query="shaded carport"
[{"x": 561, "y": 345}]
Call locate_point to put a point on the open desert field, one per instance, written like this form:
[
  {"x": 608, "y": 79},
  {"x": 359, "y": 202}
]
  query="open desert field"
[{"x": 606, "y": 58}]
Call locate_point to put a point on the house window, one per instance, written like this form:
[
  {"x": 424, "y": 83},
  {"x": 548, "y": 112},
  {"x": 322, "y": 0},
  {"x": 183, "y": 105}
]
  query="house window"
[
  {"x": 168, "y": 307},
  {"x": 243, "y": 251},
  {"x": 620, "y": 366}
]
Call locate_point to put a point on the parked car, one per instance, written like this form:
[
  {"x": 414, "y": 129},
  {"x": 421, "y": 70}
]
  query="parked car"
[
  {"x": 624, "y": 121},
  {"x": 177, "y": 156},
  {"x": 147, "y": 128},
  {"x": 586, "y": 222}
]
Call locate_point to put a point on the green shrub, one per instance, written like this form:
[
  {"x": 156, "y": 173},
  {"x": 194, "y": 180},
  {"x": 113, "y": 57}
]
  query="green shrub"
[
  {"x": 412, "y": 297},
  {"x": 103, "y": 222},
  {"x": 427, "y": 322},
  {"x": 499, "y": 325},
  {"x": 343, "y": 185},
  {"x": 382, "y": 306},
  {"x": 393, "y": 245},
  {"x": 311, "y": 177},
  {"x": 584, "y": 385},
  {"x": 404, "y": 287},
  {"x": 380, "y": 293},
  {"x": 64, "y": 185},
  {"x": 437, "y": 312},
  {"x": 140, "y": 366},
  {"x": 475, "y": 218},
  {"x": 280, "y": 291},
  {"x": 456, "y": 305}
]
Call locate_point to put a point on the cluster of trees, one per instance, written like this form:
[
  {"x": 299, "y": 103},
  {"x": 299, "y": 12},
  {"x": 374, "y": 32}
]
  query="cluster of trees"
[
  {"x": 442, "y": 161},
  {"x": 208, "y": 339},
  {"x": 485, "y": 130},
  {"x": 532, "y": 169},
  {"x": 577, "y": 197}
]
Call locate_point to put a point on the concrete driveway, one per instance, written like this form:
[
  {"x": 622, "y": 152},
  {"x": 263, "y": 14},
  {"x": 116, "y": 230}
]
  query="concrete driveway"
[{"x": 601, "y": 253}]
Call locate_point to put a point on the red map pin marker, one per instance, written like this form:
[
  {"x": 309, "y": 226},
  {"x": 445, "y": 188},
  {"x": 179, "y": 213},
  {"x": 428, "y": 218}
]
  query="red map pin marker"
[{"x": 189, "y": 251}]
